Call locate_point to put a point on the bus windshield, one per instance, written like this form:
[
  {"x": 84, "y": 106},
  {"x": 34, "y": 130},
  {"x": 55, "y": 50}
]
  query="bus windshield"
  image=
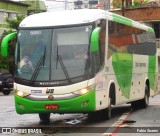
[{"x": 53, "y": 54}]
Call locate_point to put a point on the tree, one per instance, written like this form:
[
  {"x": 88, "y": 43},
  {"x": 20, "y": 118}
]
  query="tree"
[
  {"x": 8, "y": 63},
  {"x": 128, "y": 3},
  {"x": 13, "y": 24}
]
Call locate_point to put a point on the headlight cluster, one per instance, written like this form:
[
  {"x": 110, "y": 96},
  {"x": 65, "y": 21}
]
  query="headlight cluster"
[
  {"x": 20, "y": 93},
  {"x": 78, "y": 92},
  {"x": 84, "y": 90}
]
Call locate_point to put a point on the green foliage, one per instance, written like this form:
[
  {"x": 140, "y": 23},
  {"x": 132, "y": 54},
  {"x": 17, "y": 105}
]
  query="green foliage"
[
  {"x": 13, "y": 24},
  {"x": 7, "y": 63},
  {"x": 138, "y": 4},
  {"x": 6, "y": 32},
  {"x": 135, "y": 4},
  {"x": 4, "y": 64}
]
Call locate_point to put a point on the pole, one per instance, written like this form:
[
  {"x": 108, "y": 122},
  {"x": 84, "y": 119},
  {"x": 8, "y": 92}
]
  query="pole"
[
  {"x": 123, "y": 8},
  {"x": 65, "y": 6}
]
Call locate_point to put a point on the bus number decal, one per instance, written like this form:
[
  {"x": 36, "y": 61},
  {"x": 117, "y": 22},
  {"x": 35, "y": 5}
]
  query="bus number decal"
[{"x": 35, "y": 32}]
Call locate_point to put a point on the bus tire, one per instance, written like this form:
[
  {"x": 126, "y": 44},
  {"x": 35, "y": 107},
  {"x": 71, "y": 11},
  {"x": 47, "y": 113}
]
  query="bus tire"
[
  {"x": 44, "y": 117},
  {"x": 107, "y": 113},
  {"x": 145, "y": 101},
  {"x": 6, "y": 92}
]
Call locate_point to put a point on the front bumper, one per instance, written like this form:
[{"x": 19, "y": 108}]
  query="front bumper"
[{"x": 80, "y": 104}]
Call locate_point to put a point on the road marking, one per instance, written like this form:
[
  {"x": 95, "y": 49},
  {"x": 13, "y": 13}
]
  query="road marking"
[{"x": 118, "y": 124}]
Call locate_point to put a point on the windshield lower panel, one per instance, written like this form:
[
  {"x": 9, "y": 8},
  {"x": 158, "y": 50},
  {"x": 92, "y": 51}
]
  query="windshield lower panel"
[{"x": 60, "y": 54}]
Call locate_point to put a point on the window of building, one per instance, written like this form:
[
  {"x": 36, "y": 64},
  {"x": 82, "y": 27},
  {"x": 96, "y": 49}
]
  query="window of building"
[{"x": 3, "y": 15}]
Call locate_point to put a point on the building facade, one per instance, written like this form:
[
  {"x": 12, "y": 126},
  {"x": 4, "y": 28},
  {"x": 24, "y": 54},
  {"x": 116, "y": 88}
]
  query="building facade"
[
  {"x": 92, "y": 4},
  {"x": 35, "y": 6},
  {"x": 148, "y": 12},
  {"x": 9, "y": 9}
]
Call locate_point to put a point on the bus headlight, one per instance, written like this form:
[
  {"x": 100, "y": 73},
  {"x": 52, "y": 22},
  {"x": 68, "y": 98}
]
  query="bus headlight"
[
  {"x": 84, "y": 90},
  {"x": 20, "y": 93}
]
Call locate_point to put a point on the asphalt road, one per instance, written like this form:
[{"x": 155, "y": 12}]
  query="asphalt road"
[{"x": 125, "y": 121}]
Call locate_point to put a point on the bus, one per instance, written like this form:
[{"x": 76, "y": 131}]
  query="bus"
[{"x": 82, "y": 61}]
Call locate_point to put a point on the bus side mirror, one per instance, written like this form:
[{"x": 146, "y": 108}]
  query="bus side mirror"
[
  {"x": 95, "y": 49},
  {"x": 4, "y": 44},
  {"x": 95, "y": 39}
]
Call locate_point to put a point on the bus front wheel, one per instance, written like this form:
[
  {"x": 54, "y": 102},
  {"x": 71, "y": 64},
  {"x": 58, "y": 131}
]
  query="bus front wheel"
[
  {"x": 106, "y": 113},
  {"x": 44, "y": 116}
]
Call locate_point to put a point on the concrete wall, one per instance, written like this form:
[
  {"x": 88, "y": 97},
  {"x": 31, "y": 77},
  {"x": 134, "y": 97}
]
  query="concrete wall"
[
  {"x": 142, "y": 14},
  {"x": 12, "y": 6}
]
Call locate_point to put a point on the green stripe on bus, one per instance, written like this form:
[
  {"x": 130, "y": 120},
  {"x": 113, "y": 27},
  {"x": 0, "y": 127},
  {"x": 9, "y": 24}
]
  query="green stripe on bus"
[
  {"x": 122, "y": 20},
  {"x": 123, "y": 65},
  {"x": 150, "y": 29},
  {"x": 152, "y": 71},
  {"x": 84, "y": 103}
]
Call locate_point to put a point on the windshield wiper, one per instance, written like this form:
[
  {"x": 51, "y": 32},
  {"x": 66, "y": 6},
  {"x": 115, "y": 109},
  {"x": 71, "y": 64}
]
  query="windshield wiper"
[
  {"x": 59, "y": 58},
  {"x": 44, "y": 56},
  {"x": 18, "y": 50},
  {"x": 39, "y": 65},
  {"x": 63, "y": 68}
]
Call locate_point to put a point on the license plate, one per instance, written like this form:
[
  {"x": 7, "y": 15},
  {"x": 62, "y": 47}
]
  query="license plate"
[{"x": 51, "y": 106}]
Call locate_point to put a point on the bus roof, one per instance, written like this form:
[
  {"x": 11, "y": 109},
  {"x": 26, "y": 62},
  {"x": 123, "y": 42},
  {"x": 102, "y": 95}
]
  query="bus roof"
[
  {"x": 58, "y": 18},
  {"x": 73, "y": 17}
]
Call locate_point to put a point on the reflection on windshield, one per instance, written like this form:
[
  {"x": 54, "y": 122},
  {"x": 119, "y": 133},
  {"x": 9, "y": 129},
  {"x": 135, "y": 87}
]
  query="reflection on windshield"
[
  {"x": 31, "y": 46},
  {"x": 53, "y": 54},
  {"x": 72, "y": 44}
]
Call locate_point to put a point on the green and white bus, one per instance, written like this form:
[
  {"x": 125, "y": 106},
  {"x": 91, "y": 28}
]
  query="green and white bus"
[{"x": 82, "y": 61}]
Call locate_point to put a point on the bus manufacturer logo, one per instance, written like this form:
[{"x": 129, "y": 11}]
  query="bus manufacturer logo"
[
  {"x": 49, "y": 91},
  {"x": 48, "y": 83},
  {"x": 50, "y": 97}
]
